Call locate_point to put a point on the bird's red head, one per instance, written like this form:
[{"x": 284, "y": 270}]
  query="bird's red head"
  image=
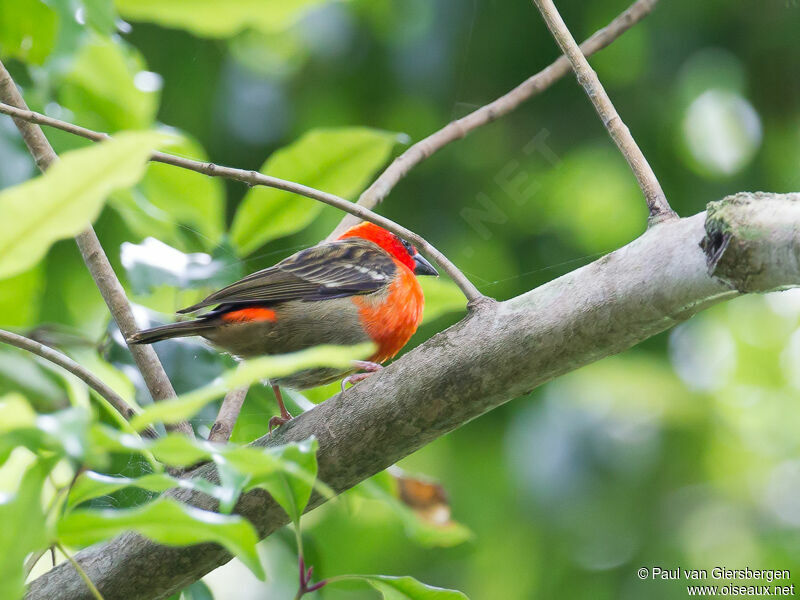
[{"x": 399, "y": 248}]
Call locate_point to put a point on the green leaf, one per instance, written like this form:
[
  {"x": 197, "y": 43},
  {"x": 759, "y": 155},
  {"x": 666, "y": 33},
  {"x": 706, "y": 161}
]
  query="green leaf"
[
  {"x": 15, "y": 413},
  {"x": 168, "y": 522},
  {"x": 117, "y": 380},
  {"x": 101, "y": 16},
  {"x": 197, "y": 591},
  {"x": 209, "y": 18},
  {"x": 28, "y": 30},
  {"x": 20, "y": 298},
  {"x": 192, "y": 199},
  {"x": 100, "y": 89},
  {"x": 93, "y": 485},
  {"x": 293, "y": 493},
  {"x": 407, "y": 588},
  {"x": 173, "y": 203},
  {"x": 90, "y": 485},
  {"x": 287, "y": 473},
  {"x": 69, "y": 196},
  {"x": 177, "y": 450},
  {"x": 20, "y": 374},
  {"x": 339, "y": 161},
  {"x": 187, "y": 405},
  {"x": 64, "y": 432},
  {"x": 69, "y": 429},
  {"x": 441, "y": 297},
  {"x": 231, "y": 482},
  {"x": 23, "y": 529},
  {"x": 172, "y": 449}
]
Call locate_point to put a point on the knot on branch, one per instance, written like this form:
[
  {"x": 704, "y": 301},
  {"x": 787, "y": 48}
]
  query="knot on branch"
[{"x": 752, "y": 242}]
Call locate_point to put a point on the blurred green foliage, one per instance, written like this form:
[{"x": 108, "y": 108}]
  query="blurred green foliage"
[
  {"x": 336, "y": 161},
  {"x": 680, "y": 453}
]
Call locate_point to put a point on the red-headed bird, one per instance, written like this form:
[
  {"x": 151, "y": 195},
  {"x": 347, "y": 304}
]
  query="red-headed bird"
[{"x": 361, "y": 287}]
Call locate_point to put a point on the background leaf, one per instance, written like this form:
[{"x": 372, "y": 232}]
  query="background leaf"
[
  {"x": 188, "y": 206},
  {"x": 442, "y": 296},
  {"x": 211, "y": 19},
  {"x": 20, "y": 297},
  {"x": 23, "y": 529},
  {"x": 28, "y": 30},
  {"x": 101, "y": 87},
  {"x": 339, "y": 161},
  {"x": 67, "y": 197}
]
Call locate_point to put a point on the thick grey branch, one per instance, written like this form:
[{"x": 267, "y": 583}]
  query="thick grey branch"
[
  {"x": 94, "y": 256},
  {"x": 488, "y": 113},
  {"x": 500, "y": 351},
  {"x": 654, "y": 195}
]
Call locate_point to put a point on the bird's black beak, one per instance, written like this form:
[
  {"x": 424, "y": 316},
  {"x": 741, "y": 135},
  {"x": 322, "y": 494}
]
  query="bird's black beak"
[{"x": 423, "y": 267}]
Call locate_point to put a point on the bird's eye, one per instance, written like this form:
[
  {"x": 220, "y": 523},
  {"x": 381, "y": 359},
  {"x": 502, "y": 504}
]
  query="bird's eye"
[{"x": 409, "y": 248}]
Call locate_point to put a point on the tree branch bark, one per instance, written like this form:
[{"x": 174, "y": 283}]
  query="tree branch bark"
[
  {"x": 500, "y": 351},
  {"x": 95, "y": 258},
  {"x": 65, "y": 362},
  {"x": 656, "y": 200},
  {"x": 228, "y": 413},
  {"x": 489, "y": 113},
  {"x": 471, "y": 293}
]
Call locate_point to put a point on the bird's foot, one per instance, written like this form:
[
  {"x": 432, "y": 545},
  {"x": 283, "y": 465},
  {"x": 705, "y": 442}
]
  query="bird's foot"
[
  {"x": 278, "y": 421},
  {"x": 285, "y": 416},
  {"x": 364, "y": 365}
]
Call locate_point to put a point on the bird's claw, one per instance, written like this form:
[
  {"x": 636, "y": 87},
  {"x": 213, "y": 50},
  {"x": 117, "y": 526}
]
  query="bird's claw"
[
  {"x": 365, "y": 365},
  {"x": 277, "y": 421}
]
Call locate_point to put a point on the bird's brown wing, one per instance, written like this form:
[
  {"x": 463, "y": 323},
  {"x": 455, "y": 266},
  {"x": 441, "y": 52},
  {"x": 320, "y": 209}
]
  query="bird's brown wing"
[{"x": 330, "y": 270}]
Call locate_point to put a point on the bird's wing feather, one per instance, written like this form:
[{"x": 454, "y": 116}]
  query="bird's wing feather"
[{"x": 348, "y": 267}]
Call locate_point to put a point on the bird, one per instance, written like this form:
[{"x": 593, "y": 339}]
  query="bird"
[{"x": 360, "y": 287}]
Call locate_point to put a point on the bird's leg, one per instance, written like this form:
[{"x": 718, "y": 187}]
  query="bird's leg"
[
  {"x": 364, "y": 365},
  {"x": 285, "y": 416}
]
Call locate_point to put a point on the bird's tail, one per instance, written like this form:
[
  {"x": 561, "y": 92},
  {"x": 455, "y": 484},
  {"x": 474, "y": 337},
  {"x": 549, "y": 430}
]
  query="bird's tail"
[{"x": 166, "y": 332}]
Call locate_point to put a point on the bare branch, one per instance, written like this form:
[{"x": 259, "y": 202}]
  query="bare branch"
[
  {"x": 503, "y": 105},
  {"x": 255, "y": 178},
  {"x": 656, "y": 200},
  {"x": 228, "y": 413},
  {"x": 66, "y": 363},
  {"x": 95, "y": 258},
  {"x": 499, "y": 352}
]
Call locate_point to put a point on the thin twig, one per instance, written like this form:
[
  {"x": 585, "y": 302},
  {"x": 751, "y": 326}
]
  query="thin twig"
[
  {"x": 34, "y": 558},
  {"x": 484, "y": 115},
  {"x": 95, "y": 258},
  {"x": 255, "y": 178},
  {"x": 656, "y": 200},
  {"x": 228, "y": 413},
  {"x": 66, "y": 363},
  {"x": 92, "y": 587}
]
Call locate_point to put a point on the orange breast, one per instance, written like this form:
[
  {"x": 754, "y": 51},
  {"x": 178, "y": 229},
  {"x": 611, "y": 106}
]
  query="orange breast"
[{"x": 391, "y": 322}]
